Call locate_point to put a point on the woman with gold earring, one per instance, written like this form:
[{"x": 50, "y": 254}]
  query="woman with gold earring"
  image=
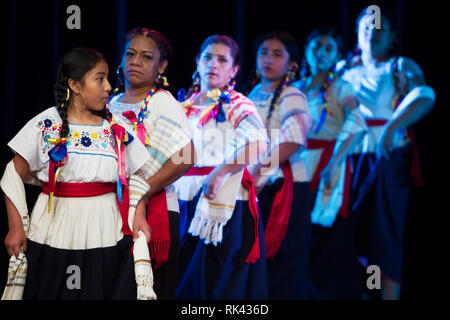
[
  {"x": 222, "y": 249},
  {"x": 280, "y": 175},
  {"x": 160, "y": 123}
]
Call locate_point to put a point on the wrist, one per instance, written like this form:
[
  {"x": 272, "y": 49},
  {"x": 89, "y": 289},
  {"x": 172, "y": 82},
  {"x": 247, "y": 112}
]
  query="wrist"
[
  {"x": 223, "y": 169},
  {"x": 15, "y": 226},
  {"x": 393, "y": 126}
]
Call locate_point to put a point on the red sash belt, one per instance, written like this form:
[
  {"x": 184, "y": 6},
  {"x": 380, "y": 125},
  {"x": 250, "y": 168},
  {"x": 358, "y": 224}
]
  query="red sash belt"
[
  {"x": 328, "y": 147},
  {"x": 157, "y": 213},
  {"x": 247, "y": 182},
  {"x": 78, "y": 190},
  {"x": 415, "y": 169},
  {"x": 280, "y": 213}
]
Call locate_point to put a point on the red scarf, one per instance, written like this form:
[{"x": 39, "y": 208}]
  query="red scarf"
[
  {"x": 328, "y": 147},
  {"x": 158, "y": 219},
  {"x": 280, "y": 212}
]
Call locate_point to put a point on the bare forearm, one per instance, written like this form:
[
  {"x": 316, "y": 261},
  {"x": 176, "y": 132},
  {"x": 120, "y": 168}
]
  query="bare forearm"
[
  {"x": 411, "y": 114},
  {"x": 345, "y": 146},
  {"x": 248, "y": 155},
  {"x": 278, "y": 154},
  {"x": 22, "y": 169},
  {"x": 14, "y": 220}
]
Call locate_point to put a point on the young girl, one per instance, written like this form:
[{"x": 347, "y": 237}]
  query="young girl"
[
  {"x": 284, "y": 195},
  {"x": 331, "y": 102},
  {"x": 222, "y": 243},
  {"x": 74, "y": 244},
  {"x": 393, "y": 96},
  {"x": 161, "y": 124}
]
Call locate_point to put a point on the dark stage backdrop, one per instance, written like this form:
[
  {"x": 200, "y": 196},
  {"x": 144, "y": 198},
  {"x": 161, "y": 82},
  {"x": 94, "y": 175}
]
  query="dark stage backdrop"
[{"x": 35, "y": 37}]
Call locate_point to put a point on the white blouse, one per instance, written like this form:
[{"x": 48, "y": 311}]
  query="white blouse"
[
  {"x": 167, "y": 128},
  {"x": 216, "y": 143},
  {"x": 290, "y": 122},
  {"x": 91, "y": 149},
  {"x": 335, "y": 97},
  {"x": 376, "y": 92}
]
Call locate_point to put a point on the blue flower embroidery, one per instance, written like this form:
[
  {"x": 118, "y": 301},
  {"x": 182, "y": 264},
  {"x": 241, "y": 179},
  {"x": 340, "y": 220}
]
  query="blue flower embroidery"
[
  {"x": 86, "y": 141},
  {"x": 48, "y": 123}
]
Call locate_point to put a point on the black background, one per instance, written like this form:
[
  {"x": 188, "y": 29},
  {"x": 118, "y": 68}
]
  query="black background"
[{"x": 35, "y": 38}]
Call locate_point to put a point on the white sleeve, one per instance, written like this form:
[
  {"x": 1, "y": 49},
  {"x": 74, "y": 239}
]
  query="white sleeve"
[
  {"x": 168, "y": 130},
  {"x": 295, "y": 119},
  {"x": 344, "y": 92},
  {"x": 250, "y": 129},
  {"x": 30, "y": 141}
]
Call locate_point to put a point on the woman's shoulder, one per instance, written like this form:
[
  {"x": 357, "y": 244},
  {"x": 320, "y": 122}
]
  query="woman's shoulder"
[
  {"x": 237, "y": 98},
  {"x": 291, "y": 90},
  {"x": 115, "y": 98},
  {"x": 164, "y": 95},
  {"x": 164, "y": 99},
  {"x": 340, "y": 83},
  {"x": 48, "y": 119},
  {"x": 406, "y": 64}
]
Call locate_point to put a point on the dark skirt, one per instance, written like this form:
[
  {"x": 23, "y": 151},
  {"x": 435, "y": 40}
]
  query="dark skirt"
[
  {"x": 336, "y": 273},
  {"x": 382, "y": 212},
  {"x": 210, "y": 272},
  {"x": 165, "y": 277},
  {"x": 98, "y": 274},
  {"x": 288, "y": 272}
]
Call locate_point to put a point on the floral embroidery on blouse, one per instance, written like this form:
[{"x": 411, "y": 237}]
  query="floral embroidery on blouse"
[{"x": 81, "y": 139}]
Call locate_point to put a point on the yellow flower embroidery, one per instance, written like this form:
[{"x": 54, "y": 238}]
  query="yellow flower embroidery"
[
  {"x": 94, "y": 135},
  {"x": 76, "y": 135}
]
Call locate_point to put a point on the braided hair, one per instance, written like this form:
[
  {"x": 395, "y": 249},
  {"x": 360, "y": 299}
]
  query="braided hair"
[
  {"x": 294, "y": 55},
  {"x": 74, "y": 65},
  {"x": 164, "y": 47},
  {"x": 214, "y": 39}
]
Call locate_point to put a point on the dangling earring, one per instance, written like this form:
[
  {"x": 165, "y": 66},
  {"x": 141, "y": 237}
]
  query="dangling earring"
[
  {"x": 231, "y": 85},
  {"x": 291, "y": 73},
  {"x": 118, "y": 73},
  {"x": 196, "y": 77},
  {"x": 162, "y": 79},
  {"x": 196, "y": 81},
  {"x": 67, "y": 97},
  {"x": 257, "y": 76}
]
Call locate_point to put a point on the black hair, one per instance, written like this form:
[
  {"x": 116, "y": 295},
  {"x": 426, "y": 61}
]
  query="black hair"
[{"x": 74, "y": 65}]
